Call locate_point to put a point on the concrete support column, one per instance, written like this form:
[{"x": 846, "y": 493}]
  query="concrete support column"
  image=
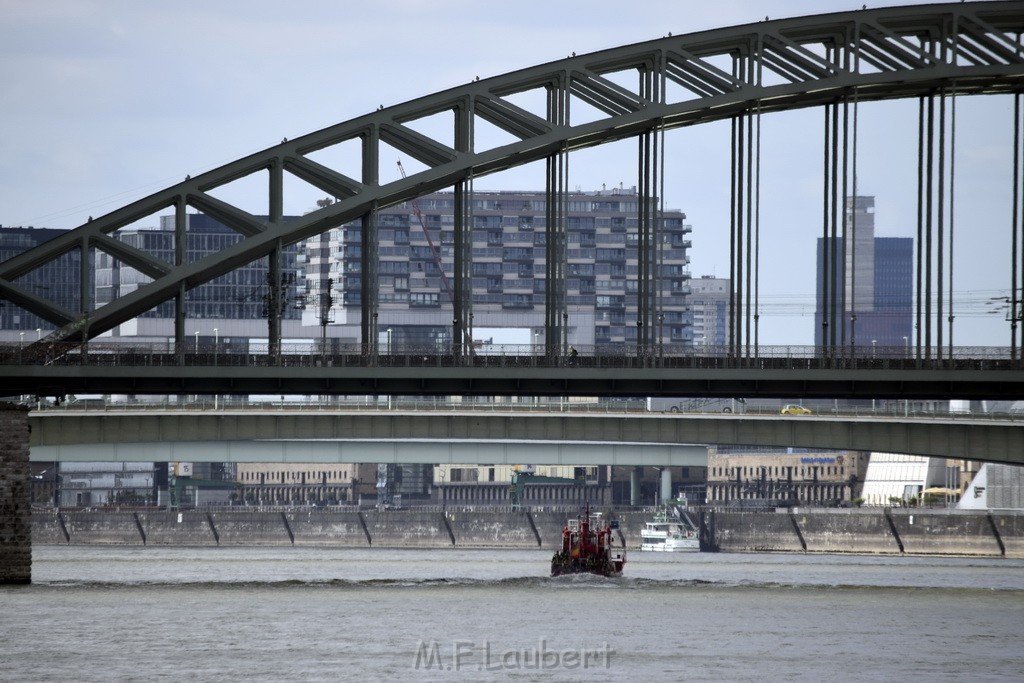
[
  {"x": 15, "y": 512},
  {"x": 666, "y": 485},
  {"x": 634, "y": 486}
]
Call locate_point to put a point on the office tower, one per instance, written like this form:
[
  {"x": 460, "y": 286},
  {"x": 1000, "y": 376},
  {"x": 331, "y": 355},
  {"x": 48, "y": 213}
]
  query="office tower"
[
  {"x": 875, "y": 302},
  {"x": 56, "y": 281}
]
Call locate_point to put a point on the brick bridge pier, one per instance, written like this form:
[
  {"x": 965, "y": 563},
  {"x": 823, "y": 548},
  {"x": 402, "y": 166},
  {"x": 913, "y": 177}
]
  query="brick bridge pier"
[{"x": 15, "y": 510}]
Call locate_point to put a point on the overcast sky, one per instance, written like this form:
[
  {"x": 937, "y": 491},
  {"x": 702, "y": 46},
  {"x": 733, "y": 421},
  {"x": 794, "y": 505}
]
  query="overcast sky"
[{"x": 107, "y": 101}]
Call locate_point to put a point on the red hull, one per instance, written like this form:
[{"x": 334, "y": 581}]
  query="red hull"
[{"x": 588, "y": 547}]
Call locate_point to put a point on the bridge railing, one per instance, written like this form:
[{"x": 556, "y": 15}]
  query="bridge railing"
[
  {"x": 878, "y": 409},
  {"x": 678, "y": 356}
]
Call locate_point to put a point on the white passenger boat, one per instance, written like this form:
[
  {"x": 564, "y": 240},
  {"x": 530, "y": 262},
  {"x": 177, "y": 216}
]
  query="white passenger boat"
[{"x": 666, "y": 535}]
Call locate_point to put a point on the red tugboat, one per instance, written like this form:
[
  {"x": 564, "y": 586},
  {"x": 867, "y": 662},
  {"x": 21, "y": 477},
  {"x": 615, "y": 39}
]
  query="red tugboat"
[{"x": 588, "y": 547}]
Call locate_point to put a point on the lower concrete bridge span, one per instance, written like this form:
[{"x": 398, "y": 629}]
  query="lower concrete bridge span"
[
  {"x": 329, "y": 451},
  {"x": 430, "y": 436}
]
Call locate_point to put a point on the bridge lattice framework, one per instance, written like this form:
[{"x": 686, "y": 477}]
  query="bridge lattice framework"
[{"x": 934, "y": 53}]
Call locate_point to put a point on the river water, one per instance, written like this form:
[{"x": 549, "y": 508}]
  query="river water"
[{"x": 298, "y": 614}]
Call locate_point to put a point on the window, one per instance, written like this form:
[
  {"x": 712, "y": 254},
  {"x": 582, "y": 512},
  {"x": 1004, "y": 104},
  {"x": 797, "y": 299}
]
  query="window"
[{"x": 424, "y": 300}]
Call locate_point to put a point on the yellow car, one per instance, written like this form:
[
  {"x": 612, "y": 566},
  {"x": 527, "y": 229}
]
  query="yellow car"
[{"x": 794, "y": 409}]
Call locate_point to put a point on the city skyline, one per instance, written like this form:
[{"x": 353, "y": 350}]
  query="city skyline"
[{"x": 91, "y": 129}]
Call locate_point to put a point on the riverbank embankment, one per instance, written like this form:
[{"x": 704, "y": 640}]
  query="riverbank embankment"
[{"x": 879, "y": 531}]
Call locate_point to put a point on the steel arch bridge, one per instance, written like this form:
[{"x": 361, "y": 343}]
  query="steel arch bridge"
[{"x": 832, "y": 61}]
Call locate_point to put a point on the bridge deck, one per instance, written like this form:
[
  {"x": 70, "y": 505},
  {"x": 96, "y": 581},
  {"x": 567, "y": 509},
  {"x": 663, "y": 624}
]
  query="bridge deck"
[{"x": 140, "y": 370}]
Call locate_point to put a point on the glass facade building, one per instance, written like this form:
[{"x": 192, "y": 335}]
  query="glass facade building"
[
  {"x": 56, "y": 281},
  {"x": 239, "y": 295},
  {"x": 877, "y": 295}
]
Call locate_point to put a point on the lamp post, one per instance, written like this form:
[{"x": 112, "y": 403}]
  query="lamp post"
[
  {"x": 197, "y": 341},
  {"x": 874, "y": 343},
  {"x": 39, "y": 333}
]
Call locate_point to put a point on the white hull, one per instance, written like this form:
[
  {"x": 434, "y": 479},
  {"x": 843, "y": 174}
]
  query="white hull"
[
  {"x": 665, "y": 536},
  {"x": 681, "y": 546}
]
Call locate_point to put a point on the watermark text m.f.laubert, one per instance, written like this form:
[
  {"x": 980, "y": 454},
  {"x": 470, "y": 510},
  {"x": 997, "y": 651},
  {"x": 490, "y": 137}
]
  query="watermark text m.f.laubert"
[{"x": 484, "y": 655}]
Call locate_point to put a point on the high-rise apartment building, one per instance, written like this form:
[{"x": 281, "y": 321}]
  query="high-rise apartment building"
[
  {"x": 416, "y": 258},
  {"x": 709, "y": 304},
  {"x": 875, "y": 298}
]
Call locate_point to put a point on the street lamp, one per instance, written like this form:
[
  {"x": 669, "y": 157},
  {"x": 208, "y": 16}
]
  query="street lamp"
[
  {"x": 874, "y": 342},
  {"x": 197, "y": 341},
  {"x": 389, "y": 341},
  {"x": 39, "y": 333}
]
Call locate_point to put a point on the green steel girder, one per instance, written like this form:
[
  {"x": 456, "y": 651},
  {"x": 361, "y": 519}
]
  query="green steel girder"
[{"x": 872, "y": 54}]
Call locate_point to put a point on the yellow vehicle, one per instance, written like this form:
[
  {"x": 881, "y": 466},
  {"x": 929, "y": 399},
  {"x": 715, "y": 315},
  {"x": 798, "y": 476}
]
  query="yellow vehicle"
[{"x": 794, "y": 409}]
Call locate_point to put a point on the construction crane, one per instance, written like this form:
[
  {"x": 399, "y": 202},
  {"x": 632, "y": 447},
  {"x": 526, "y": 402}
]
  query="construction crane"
[{"x": 467, "y": 333}]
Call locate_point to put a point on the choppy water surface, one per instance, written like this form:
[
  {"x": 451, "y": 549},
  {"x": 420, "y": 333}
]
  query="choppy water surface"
[{"x": 296, "y": 614}]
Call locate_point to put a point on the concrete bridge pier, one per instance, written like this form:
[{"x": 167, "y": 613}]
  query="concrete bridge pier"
[
  {"x": 666, "y": 485},
  {"x": 634, "y": 485},
  {"x": 15, "y": 511}
]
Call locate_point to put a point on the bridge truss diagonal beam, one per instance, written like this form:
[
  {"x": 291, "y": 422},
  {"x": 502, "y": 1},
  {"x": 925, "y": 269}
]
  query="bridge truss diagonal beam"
[{"x": 961, "y": 48}]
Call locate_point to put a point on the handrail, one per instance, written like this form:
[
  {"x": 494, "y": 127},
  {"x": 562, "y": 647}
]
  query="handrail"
[{"x": 678, "y": 356}]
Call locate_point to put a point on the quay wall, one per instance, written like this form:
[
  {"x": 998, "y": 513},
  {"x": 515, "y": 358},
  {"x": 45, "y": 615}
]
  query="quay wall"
[
  {"x": 313, "y": 528},
  {"x": 881, "y": 531},
  {"x": 408, "y": 529},
  {"x": 483, "y": 529},
  {"x": 878, "y": 531}
]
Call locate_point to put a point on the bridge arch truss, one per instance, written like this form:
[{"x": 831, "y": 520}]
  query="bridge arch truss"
[{"x": 831, "y": 61}]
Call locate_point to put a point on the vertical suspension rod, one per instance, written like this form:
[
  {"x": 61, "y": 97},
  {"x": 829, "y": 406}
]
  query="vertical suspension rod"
[
  {"x": 1015, "y": 227},
  {"x": 838, "y": 277},
  {"x": 556, "y": 186},
  {"x": 827, "y": 279},
  {"x": 920, "y": 242},
  {"x": 849, "y": 238},
  {"x": 928, "y": 248},
  {"x": 275, "y": 284},
  {"x": 749, "y": 201},
  {"x": 462, "y": 304},
  {"x": 643, "y": 237},
  {"x": 180, "y": 252},
  {"x": 736, "y": 240},
  {"x": 369, "y": 255},
  {"x": 952, "y": 207},
  {"x": 940, "y": 224},
  {"x": 756, "y": 76}
]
